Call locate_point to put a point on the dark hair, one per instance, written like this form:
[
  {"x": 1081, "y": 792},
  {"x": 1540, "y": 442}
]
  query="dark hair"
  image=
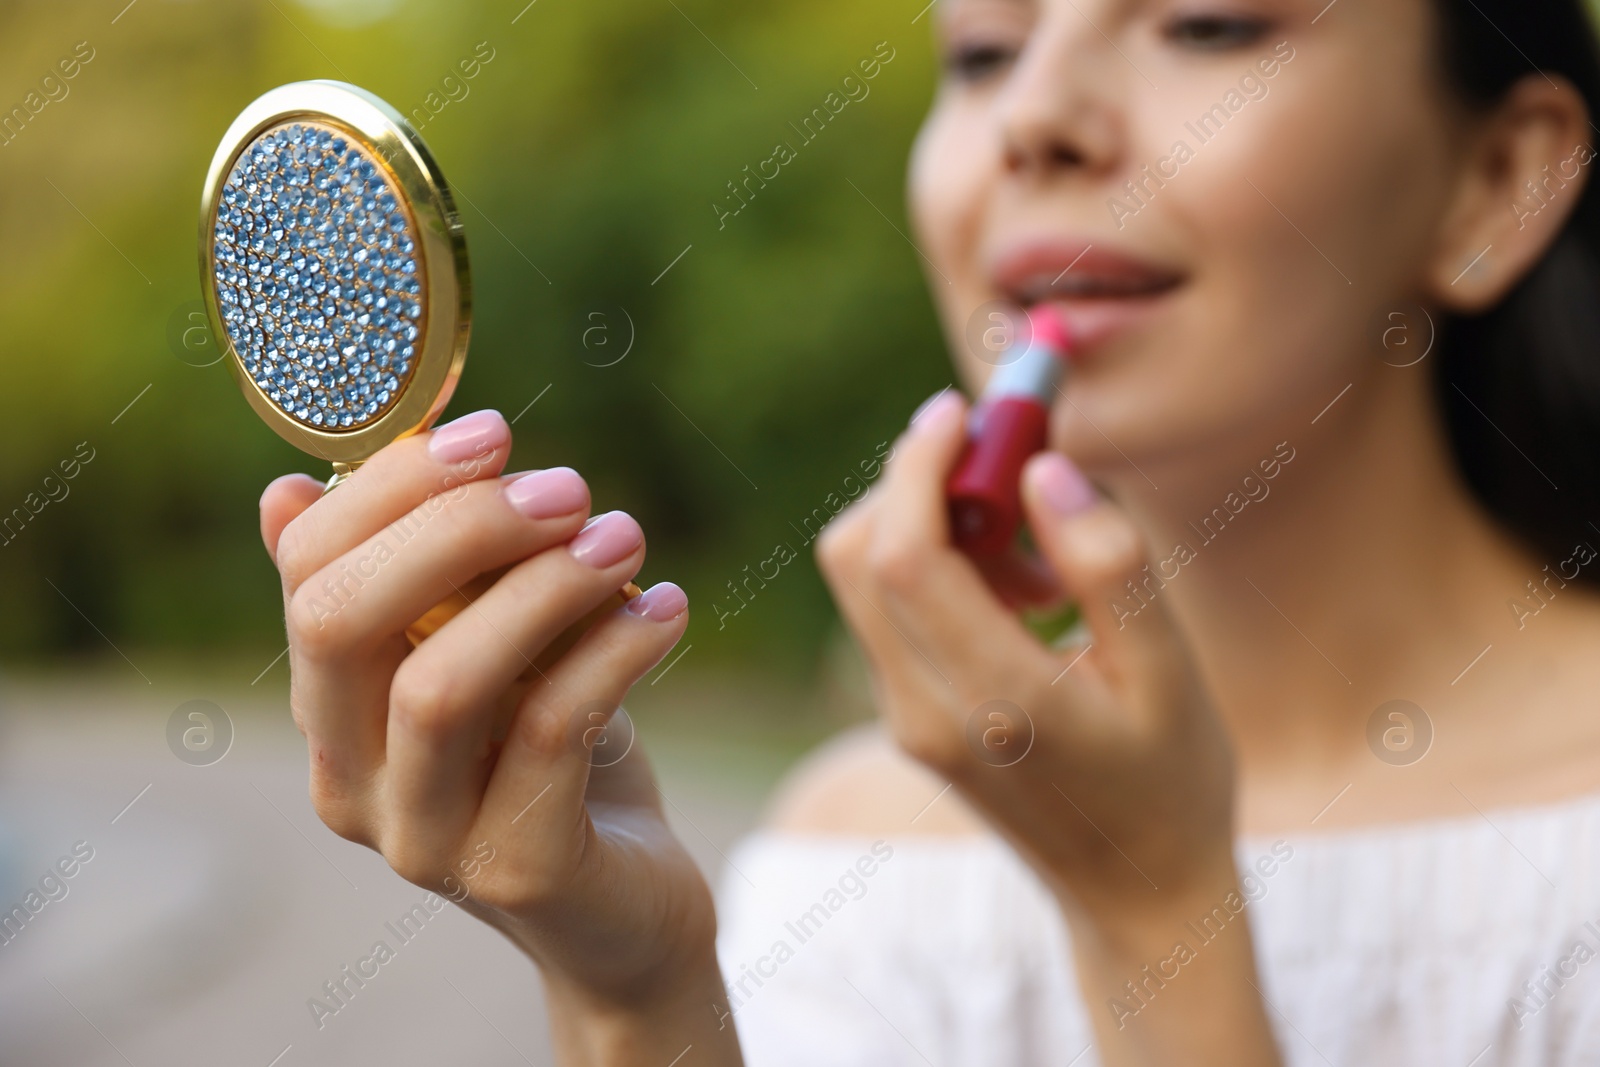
[{"x": 1520, "y": 384}]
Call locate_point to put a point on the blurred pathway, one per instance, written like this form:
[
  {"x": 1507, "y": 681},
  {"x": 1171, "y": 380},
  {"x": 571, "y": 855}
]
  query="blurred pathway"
[{"x": 216, "y": 904}]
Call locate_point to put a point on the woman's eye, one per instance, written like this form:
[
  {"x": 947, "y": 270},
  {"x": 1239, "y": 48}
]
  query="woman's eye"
[
  {"x": 977, "y": 62},
  {"x": 1215, "y": 32}
]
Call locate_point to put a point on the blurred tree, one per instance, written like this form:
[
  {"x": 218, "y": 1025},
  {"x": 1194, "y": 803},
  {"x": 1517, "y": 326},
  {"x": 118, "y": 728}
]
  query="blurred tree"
[{"x": 777, "y": 352}]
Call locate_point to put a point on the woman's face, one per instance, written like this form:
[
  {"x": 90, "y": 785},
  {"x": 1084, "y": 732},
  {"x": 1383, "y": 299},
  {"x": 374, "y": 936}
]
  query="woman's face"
[{"x": 1288, "y": 162}]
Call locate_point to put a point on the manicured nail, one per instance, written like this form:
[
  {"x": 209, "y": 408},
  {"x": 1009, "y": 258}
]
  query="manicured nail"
[
  {"x": 660, "y": 602},
  {"x": 470, "y": 436},
  {"x": 1061, "y": 486},
  {"x": 936, "y": 403},
  {"x": 607, "y": 540},
  {"x": 548, "y": 493}
]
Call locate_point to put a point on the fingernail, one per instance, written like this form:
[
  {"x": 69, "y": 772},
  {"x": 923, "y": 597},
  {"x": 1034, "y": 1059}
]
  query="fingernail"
[
  {"x": 660, "y": 602},
  {"x": 1062, "y": 486},
  {"x": 548, "y": 493},
  {"x": 935, "y": 403},
  {"x": 470, "y": 436},
  {"x": 607, "y": 540}
]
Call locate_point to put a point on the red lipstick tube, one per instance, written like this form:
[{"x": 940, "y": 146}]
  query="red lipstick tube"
[{"x": 1008, "y": 424}]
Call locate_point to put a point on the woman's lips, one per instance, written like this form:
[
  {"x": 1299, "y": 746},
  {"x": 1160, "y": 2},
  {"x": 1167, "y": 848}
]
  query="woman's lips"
[
  {"x": 1093, "y": 322},
  {"x": 1098, "y": 290}
]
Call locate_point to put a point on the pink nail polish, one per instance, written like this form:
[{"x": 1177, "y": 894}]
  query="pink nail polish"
[
  {"x": 945, "y": 399},
  {"x": 1061, "y": 485},
  {"x": 923, "y": 407},
  {"x": 470, "y": 436},
  {"x": 549, "y": 493},
  {"x": 659, "y": 603},
  {"x": 607, "y": 540}
]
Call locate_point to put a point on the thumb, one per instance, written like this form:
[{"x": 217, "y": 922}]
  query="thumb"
[
  {"x": 282, "y": 503},
  {"x": 1097, "y": 551}
]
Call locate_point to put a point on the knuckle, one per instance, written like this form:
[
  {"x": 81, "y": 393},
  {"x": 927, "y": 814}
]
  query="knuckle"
[
  {"x": 540, "y": 731},
  {"x": 468, "y": 522},
  {"x": 898, "y": 563},
  {"x": 423, "y": 705},
  {"x": 526, "y": 894},
  {"x": 1110, "y": 549},
  {"x": 933, "y": 745},
  {"x": 525, "y": 888},
  {"x": 416, "y": 864},
  {"x": 841, "y": 540},
  {"x": 338, "y": 809},
  {"x": 490, "y": 893},
  {"x": 315, "y": 625},
  {"x": 834, "y": 547}
]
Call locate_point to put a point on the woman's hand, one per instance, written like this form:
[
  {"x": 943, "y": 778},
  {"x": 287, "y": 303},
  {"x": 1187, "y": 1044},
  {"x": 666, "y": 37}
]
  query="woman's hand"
[
  {"x": 1106, "y": 767},
  {"x": 470, "y": 784},
  {"x": 1126, "y": 790}
]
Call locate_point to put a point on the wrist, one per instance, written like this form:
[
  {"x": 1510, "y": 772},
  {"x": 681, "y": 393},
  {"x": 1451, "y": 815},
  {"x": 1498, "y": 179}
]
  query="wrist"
[
  {"x": 1124, "y": 925},
  {"x": 1173, "y": 978},
  {"x": 652, "y": 1022}
]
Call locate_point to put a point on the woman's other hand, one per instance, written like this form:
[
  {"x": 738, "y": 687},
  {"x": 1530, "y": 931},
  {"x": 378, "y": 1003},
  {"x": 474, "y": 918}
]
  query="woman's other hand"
[
  {"x": 1105, "y": 766},
  {"x": 1109, "y": 769}
]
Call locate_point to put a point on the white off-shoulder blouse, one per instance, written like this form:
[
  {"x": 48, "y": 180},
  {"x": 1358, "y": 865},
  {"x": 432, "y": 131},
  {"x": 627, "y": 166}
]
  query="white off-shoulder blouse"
[{"x": 1460, "y": 943}]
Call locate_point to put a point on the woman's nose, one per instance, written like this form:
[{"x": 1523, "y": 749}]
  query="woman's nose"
[{"x": 1060, "y": 109}]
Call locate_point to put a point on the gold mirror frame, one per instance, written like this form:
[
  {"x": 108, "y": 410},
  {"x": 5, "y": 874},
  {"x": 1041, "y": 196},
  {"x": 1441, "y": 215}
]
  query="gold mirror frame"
[{"x": 441, "y": 249}]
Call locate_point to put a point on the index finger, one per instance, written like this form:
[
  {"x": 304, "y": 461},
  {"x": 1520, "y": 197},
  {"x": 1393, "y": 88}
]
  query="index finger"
[
  {"x": 933, "y": 595},
  {"x": 913, "y": 484},
  {"x": 386, "y": 487}
]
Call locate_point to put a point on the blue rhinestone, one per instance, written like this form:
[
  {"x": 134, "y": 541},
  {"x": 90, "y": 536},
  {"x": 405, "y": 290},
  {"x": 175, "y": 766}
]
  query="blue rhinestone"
[{"x": 321, "y": 336}]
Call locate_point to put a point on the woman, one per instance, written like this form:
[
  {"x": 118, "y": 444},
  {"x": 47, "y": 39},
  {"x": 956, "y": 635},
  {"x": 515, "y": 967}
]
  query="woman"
[{"x": 1282, "y": 503}]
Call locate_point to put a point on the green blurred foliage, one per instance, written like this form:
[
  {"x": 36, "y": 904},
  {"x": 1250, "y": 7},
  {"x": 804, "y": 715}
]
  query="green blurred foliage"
[{"x": 588, "y": 153}]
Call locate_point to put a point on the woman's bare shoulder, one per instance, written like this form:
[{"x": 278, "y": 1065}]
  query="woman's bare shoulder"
[{"x": 860, "y": 783}]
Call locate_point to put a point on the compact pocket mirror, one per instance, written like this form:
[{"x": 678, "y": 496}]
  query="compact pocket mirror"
[{"x": 333, "y": 269}]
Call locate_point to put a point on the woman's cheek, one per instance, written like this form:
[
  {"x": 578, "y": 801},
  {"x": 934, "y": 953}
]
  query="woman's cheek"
[
  {"x": 950, "y": 187},
  {"x": 1338, "y": 227},
  {"x": 948, "y": 192}
]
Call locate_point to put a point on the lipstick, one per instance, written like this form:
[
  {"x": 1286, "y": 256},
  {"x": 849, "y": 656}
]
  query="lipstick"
[{"x": 1008, "y": 424}]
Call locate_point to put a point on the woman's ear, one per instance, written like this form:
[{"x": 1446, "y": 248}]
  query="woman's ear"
[{"x": 1526, "y": 168}]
